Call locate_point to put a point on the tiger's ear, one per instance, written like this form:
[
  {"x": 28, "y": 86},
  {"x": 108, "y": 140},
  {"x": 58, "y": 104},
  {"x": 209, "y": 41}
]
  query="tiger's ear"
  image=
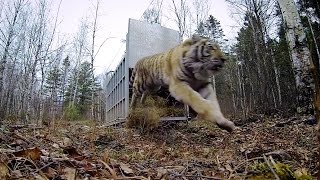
[
  {"x": 196, "y": 38},
  {"x": 193, "y": 40}
]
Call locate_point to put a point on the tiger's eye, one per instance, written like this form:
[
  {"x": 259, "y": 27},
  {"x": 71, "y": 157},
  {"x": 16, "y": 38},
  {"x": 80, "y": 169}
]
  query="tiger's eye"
[{"x": 211, "y": 47}]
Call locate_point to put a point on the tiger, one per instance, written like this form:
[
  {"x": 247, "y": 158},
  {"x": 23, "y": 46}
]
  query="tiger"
[{"x": 187, "y": 70}]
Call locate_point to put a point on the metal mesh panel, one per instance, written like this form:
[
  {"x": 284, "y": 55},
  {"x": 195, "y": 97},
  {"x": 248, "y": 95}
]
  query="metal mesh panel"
[{"x": 146, "y": 39}]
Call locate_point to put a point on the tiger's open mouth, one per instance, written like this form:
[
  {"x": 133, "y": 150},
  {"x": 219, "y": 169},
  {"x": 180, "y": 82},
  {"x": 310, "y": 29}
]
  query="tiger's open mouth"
[{"x": 214, "y": 65}]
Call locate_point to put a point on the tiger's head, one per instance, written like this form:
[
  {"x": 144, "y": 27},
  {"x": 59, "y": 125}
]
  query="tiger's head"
[{"x": 203, "y": 58}]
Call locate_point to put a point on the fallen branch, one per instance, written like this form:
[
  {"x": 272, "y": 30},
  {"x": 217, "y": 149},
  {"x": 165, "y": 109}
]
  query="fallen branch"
[
  {"x": 134, "y": 177},
  {"x": 280, "y": 153},
  {"x": 20, "y": 126},
  {"x": 201, "y": 176},
  {"x": 21, "y": 137},
  {"x": 270, "y": 167}
]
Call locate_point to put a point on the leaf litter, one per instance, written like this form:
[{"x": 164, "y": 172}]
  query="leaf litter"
[{"x": 268, "y": 148}]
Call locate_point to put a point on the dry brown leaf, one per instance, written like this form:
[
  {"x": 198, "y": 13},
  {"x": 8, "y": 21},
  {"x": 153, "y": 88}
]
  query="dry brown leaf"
[
  {"x": 4, "y": 171},
  {"x": 67, "y": 142},
  {"x": 44, "y": 152},
  {"x": 16, "y": 173},
  {"x": 70, "y": 173},
  {"x": 39, "y": 177},
  {"x": 50, "y": 172},
  {"x": 161, "y": 172},
  {"x": 105, "y": 156},
  {"x": 33, "y": 153},
  {"x": 125, "y": 168},
  {"x": 55, "y": 145},
  {"x": 228, "y": 167},
  {"x": 72, "y": 152}
]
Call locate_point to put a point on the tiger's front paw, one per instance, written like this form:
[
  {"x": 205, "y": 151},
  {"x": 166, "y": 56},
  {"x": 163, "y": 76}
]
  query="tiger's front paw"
[{"x": 226, "y": 125}]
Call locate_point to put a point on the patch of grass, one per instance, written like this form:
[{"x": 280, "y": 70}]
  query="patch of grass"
[
  {"x": 72, "y": 113},
  {"x": 144, "y": 119},
  {"x": 173, "y": 112}
]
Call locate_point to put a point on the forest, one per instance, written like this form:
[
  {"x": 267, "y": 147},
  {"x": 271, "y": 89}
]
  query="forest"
[{"x": 53, "y": 104}]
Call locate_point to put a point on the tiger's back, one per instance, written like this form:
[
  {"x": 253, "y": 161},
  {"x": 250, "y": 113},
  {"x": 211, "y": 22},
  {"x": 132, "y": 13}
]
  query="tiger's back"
[{"x": 149, "y": 74}]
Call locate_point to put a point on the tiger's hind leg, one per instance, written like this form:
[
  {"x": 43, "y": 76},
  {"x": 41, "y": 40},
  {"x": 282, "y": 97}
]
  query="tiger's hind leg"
[
  {"x": 133, "y": 101},
  {"x": 143, "y": 97},
  {"x": 207, "y": 108},
  {"x": 136, "y": 96},
  {"x": 147, "y": 92}
]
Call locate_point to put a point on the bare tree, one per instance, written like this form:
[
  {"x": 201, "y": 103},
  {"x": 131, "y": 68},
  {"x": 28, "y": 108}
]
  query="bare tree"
[
  {"x": 94, "y": 49},
  {"x": 201, "y": 10},
  {"x": 181, "y": 12},
  {"x": 8, "y": 33},
  {"x": 258, "y": 21},
  {"x": 151, "y": 16},
  {"x": 80, "y": 48},
  {"x": 153, "y": 13}
]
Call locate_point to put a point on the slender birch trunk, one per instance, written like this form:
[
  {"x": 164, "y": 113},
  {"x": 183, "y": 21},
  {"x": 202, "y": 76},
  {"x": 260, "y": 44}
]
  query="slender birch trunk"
[{"x": 300, "y": 54}]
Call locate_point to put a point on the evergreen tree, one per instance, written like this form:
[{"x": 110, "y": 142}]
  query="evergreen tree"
[
  {"x": 211, "y": 28},
  {"x": 54, "y": 81},
  {"x": 86, "y": 86}
]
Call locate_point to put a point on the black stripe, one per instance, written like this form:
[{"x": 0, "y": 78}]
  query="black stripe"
[
  {"x": 133, "y": 74},
  {"x": 197, "y": 49},
  {"x": 140, "y": 90},
  {"x": 187, "y": 72},
  {"x": 202, "y": 48}
]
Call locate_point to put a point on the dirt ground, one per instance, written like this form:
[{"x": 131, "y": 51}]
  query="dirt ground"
[{"x": 262, "y": 148}]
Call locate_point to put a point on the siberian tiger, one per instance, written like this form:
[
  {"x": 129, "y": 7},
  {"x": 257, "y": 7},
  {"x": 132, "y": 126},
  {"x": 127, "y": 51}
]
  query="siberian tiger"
[{"x": 187, "y": 72}]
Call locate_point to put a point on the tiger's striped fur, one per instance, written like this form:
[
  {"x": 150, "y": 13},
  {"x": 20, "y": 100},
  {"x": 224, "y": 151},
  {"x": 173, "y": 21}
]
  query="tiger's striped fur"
[{"x": 187, "y": 71}]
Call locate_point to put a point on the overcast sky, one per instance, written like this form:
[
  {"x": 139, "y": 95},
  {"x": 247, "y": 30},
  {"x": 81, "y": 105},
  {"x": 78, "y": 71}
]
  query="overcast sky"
[{"x": 113, "y": 22}]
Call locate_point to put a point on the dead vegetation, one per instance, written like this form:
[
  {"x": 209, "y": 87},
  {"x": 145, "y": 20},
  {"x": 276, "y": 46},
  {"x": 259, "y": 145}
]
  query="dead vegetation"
[
  {"x": 265, "y": 148},
  {"x": 146, "y": 117}
]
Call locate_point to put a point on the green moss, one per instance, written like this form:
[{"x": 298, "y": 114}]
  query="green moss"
[{"x": 284, "y": 171}]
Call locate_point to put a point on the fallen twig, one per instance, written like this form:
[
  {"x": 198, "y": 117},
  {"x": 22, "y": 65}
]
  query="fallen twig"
[
  {"x": 112, "y": 172},
  {"x": 134, "y": 177},
  {"x": 201, "y": 176},
  {"x": 270, "y": 167},
  {"x": 21, "y": 137},
  {"x": 280, "y": 153},
  {"x": 20, "y": 126}
]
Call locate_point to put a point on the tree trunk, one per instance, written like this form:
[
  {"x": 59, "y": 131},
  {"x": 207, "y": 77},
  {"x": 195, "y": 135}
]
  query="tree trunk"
[
  {"x": 300, "y": 54},
  {"x": 4, "y": 57},
  {"x": 277, "y": 75},
  {"x": 301, "y": 58}
]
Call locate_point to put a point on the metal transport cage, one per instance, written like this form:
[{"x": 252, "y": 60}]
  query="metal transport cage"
[{"x": 143, "y": 39}]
